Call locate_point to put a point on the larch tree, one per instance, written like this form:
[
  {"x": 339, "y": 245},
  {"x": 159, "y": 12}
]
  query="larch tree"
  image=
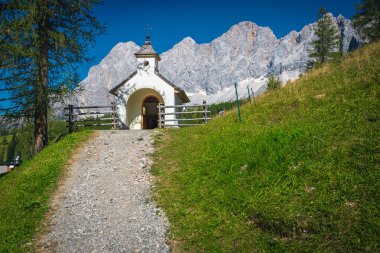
[
  {"x": 327, "y": 42},
  {"x": 367, "y": 19},
  {"x": 42, "y": 44}
]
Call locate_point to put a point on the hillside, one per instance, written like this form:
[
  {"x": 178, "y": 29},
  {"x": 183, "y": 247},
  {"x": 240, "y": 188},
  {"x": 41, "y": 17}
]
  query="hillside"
[
  {"x": 26, "y": 191},
  {"x": 300, "y": 173}
]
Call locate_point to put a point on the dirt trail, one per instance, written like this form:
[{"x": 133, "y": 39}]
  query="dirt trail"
[{"x": 105, "y": 203}]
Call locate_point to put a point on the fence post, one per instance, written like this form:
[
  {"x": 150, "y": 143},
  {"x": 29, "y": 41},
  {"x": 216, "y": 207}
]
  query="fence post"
[
  {"x": 204, "y": 112},
  {"x": 113, "y": 115},
  {"x": 253, "y": 95},
  {"x": 237, "y": 102},
  {"x": 249, "y": 94},
  {"x": 71, "y": 118},
  {"x": 159, "y": 115},
  {"x": 162, "y": 115}
]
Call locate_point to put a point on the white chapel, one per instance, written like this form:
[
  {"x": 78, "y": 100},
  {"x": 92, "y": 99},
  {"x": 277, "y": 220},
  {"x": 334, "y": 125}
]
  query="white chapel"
[{"x": 140, "y": 93}]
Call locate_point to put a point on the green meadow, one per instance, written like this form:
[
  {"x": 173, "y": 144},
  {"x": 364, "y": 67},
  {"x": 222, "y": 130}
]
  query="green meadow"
[
  {"x": 299, "y": 174},
  {"x": 25, "y": 192}
]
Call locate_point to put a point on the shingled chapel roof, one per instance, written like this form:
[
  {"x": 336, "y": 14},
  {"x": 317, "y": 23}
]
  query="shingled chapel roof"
[{"x": 147, "y": 50}]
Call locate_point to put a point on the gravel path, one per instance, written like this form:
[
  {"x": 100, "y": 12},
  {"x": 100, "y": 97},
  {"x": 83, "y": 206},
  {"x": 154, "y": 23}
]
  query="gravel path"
[{"x": 105, "y": 204}]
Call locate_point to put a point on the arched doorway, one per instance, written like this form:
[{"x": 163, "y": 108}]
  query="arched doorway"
[
  {"x": 150, "y": 113},
  {"x": 135, "y": 108}
]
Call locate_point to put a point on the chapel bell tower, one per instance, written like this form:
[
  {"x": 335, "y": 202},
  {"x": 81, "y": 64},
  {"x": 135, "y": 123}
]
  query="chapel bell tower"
[{"x": 147, "y": 58}]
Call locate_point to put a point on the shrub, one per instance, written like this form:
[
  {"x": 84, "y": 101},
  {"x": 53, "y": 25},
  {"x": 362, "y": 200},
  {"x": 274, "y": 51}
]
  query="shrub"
[{"x": 273, "y": 83}]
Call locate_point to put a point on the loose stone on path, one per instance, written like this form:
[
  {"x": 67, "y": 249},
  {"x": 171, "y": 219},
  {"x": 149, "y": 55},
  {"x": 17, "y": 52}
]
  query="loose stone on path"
[{"x": 105, "y": 203}]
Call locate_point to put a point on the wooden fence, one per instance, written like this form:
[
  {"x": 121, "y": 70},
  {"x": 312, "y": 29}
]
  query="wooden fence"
[
  {"x": 83, "y": 116},
  {"x": 79, "y": 116},
  {"x": 193, "y": 120}
]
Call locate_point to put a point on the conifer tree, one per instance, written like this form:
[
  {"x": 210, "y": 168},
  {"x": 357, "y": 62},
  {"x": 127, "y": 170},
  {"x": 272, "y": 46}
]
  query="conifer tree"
[
  {"x": 367, "y": 19},
  {"x": 42, "y": 43},
  {"x": 327, "y": 42}
]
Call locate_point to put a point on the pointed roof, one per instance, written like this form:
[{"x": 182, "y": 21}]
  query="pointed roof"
[
  {"x": 147, "y": 50},
  {"x": 114, "y": 89},
  {"x": 179, "y": 91}
]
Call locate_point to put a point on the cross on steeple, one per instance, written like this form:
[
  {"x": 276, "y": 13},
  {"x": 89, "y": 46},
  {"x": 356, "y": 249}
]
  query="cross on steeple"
[{"x": 148, "y": 28}]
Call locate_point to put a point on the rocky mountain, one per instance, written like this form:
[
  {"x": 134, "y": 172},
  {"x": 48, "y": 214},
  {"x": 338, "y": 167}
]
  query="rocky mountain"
[{"x": 245, "y": 51}]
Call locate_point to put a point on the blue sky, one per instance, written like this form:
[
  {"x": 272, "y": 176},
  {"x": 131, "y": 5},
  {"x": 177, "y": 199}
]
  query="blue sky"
[{"x": 202, "y": 20}]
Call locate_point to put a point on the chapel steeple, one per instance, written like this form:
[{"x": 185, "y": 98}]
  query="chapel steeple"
[{"x": 147, "y": 50}]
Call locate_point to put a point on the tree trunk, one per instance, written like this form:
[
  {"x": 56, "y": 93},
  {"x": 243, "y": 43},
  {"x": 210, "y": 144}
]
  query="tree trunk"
[
  {"x": 41, "y": 86},
  {"x": 40, "y": 114}
]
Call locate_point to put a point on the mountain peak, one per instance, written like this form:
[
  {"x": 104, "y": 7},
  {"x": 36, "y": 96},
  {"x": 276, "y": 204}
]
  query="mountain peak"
[
  {"x": 188, "y": 40},
  {"x": 248, "y": 30},
  {"x": 243, "y": 25},
  {"x": 129, "y": 44},
  {"x": 246, "y": 24},
  {"x": 245, "y": 51}
]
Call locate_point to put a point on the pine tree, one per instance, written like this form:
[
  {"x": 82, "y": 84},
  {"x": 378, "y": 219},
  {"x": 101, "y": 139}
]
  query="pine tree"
[
  {"x": 367, "y": 19},
  {"x": 42, "y": 43},
  {"x": 327, "y": 42}
]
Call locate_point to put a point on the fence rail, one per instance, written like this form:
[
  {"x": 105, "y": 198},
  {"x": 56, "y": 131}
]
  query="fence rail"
[
  {"x": 79, "y": 116},
  {"x": 179, "y": 121}
]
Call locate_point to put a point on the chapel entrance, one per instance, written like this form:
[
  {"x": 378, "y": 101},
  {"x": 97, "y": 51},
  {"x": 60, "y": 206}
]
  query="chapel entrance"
[{"x": 150, "y": 113}]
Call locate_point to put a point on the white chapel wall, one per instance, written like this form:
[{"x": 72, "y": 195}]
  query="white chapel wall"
[{"x": 132, "y": 94}]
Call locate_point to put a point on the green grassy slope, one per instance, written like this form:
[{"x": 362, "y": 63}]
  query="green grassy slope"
[
  {"x": 24, "y": 193},
  {"x": 300, "y": 173}
]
